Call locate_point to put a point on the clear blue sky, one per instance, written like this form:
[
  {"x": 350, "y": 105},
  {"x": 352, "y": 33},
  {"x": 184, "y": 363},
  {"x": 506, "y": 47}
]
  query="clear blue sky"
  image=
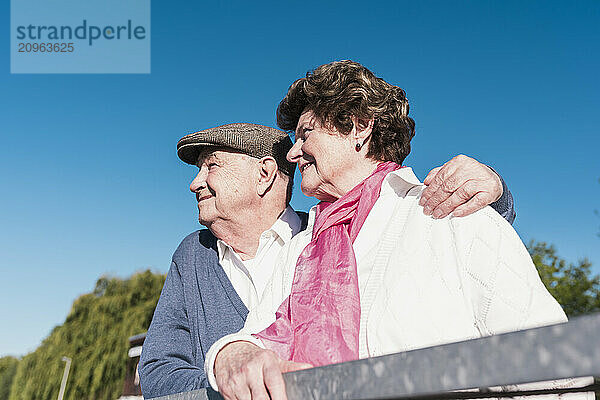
[{"x": 91, "y": 183}]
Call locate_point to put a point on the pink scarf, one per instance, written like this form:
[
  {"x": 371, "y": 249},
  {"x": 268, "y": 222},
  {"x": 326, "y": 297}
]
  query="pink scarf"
[{"x": 319, "y": 322}]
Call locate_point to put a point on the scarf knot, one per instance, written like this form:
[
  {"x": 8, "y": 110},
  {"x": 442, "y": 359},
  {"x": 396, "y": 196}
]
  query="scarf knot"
[{"x": 319, "y": 322}]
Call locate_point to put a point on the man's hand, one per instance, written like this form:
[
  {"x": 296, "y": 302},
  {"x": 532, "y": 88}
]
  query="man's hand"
[
  {"x": 460, "y": 187},
  {"x": 244, "y": 371}
]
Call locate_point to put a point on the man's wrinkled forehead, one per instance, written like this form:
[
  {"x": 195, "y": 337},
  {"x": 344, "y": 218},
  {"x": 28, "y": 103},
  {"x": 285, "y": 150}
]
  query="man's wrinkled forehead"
[{"x": 219, "y": 153}]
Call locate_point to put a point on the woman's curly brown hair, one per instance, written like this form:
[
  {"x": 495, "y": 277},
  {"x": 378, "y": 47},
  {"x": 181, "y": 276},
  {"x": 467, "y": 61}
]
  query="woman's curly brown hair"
[{"x": 337, "y": 91}]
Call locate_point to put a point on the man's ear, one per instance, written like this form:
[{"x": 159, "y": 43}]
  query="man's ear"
[
  {"x": 267, "y": 170},
  {"x": 362, "y": 129}
]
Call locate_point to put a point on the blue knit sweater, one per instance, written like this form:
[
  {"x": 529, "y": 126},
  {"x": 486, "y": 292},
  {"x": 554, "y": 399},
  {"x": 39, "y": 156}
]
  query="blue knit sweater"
[{"x": 198, "y": 305}]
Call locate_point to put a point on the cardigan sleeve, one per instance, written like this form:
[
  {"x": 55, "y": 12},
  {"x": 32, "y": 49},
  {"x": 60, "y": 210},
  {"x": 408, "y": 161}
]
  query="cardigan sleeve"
[
  {"x": 504, "y": 287},
  {"x": 167, "y": 360},
  {"x": 505, "y": 205},
  {"x": 507, "y": 293}
]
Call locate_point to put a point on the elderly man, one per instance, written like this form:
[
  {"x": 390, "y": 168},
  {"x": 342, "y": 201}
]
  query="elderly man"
[{"x": 243, "y": 189}]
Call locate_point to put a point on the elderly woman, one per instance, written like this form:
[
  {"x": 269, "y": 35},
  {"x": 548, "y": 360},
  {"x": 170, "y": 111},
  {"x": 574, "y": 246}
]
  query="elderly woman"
[{"x": 372, "y": 274}]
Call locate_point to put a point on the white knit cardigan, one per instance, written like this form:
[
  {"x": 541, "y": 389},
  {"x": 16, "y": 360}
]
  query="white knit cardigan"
[{"x": 431, "y": 281}]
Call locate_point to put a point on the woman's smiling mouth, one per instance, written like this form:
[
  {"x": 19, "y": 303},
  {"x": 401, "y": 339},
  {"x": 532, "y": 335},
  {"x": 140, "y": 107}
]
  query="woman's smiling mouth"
[{"x": 304, "y": 166}]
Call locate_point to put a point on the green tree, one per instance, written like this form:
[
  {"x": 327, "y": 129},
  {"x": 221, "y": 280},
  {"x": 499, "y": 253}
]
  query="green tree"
[
  {"x": 8, "y": 368},
  {"x": 572, "y": 285},
  {"x": 94, "y": 336}
]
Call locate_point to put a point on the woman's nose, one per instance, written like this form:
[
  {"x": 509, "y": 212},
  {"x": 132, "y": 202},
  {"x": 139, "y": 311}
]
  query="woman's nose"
[{"x": 295, "y": 152}]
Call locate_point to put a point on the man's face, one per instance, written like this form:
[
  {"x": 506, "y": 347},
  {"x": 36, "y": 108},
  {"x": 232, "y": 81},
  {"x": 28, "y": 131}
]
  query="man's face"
[{"x": 224, "y": 186}]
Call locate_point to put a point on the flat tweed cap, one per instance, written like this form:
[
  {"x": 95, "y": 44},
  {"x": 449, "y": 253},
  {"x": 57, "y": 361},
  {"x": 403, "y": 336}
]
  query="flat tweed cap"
[{"x": 254, "y": 140}]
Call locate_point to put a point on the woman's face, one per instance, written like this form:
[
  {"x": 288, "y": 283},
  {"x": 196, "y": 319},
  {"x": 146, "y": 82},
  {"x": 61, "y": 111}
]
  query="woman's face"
[{"x": 325, "y": 159}]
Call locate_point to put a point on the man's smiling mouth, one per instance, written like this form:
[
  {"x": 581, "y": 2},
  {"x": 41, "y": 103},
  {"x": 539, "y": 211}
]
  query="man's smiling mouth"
[{"x": 206, "y": 196}]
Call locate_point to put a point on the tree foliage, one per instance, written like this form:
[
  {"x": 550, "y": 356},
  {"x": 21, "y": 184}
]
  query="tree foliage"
[
  {"x": 95, "y": 336},
  {"x": 8, "y": 368},
  {"x": 572, "y": 285}
]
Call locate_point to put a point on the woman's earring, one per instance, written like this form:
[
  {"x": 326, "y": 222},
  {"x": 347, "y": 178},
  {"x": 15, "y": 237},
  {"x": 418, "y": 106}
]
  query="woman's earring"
[{"x": 358, "y": 146}]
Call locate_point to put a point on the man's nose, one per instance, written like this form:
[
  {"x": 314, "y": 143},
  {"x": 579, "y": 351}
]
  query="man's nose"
[
  {"x": 295, "y": 152},
  {"x": 199, "y": 181}
]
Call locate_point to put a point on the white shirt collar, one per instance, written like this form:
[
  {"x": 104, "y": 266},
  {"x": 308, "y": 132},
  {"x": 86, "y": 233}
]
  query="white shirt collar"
[
  {"x": 286, "y": 226},
  {"x": 223, "y": 248},
  {"x": 401, "y": 181}
]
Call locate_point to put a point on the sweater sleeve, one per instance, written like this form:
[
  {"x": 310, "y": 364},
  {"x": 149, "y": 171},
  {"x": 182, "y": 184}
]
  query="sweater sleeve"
[
  {"x": 167, "y": 360},
  {"x": 505, "y": 205},
  {"x": 507, "y": 293},
  {"x": 502, "y": 283}
]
